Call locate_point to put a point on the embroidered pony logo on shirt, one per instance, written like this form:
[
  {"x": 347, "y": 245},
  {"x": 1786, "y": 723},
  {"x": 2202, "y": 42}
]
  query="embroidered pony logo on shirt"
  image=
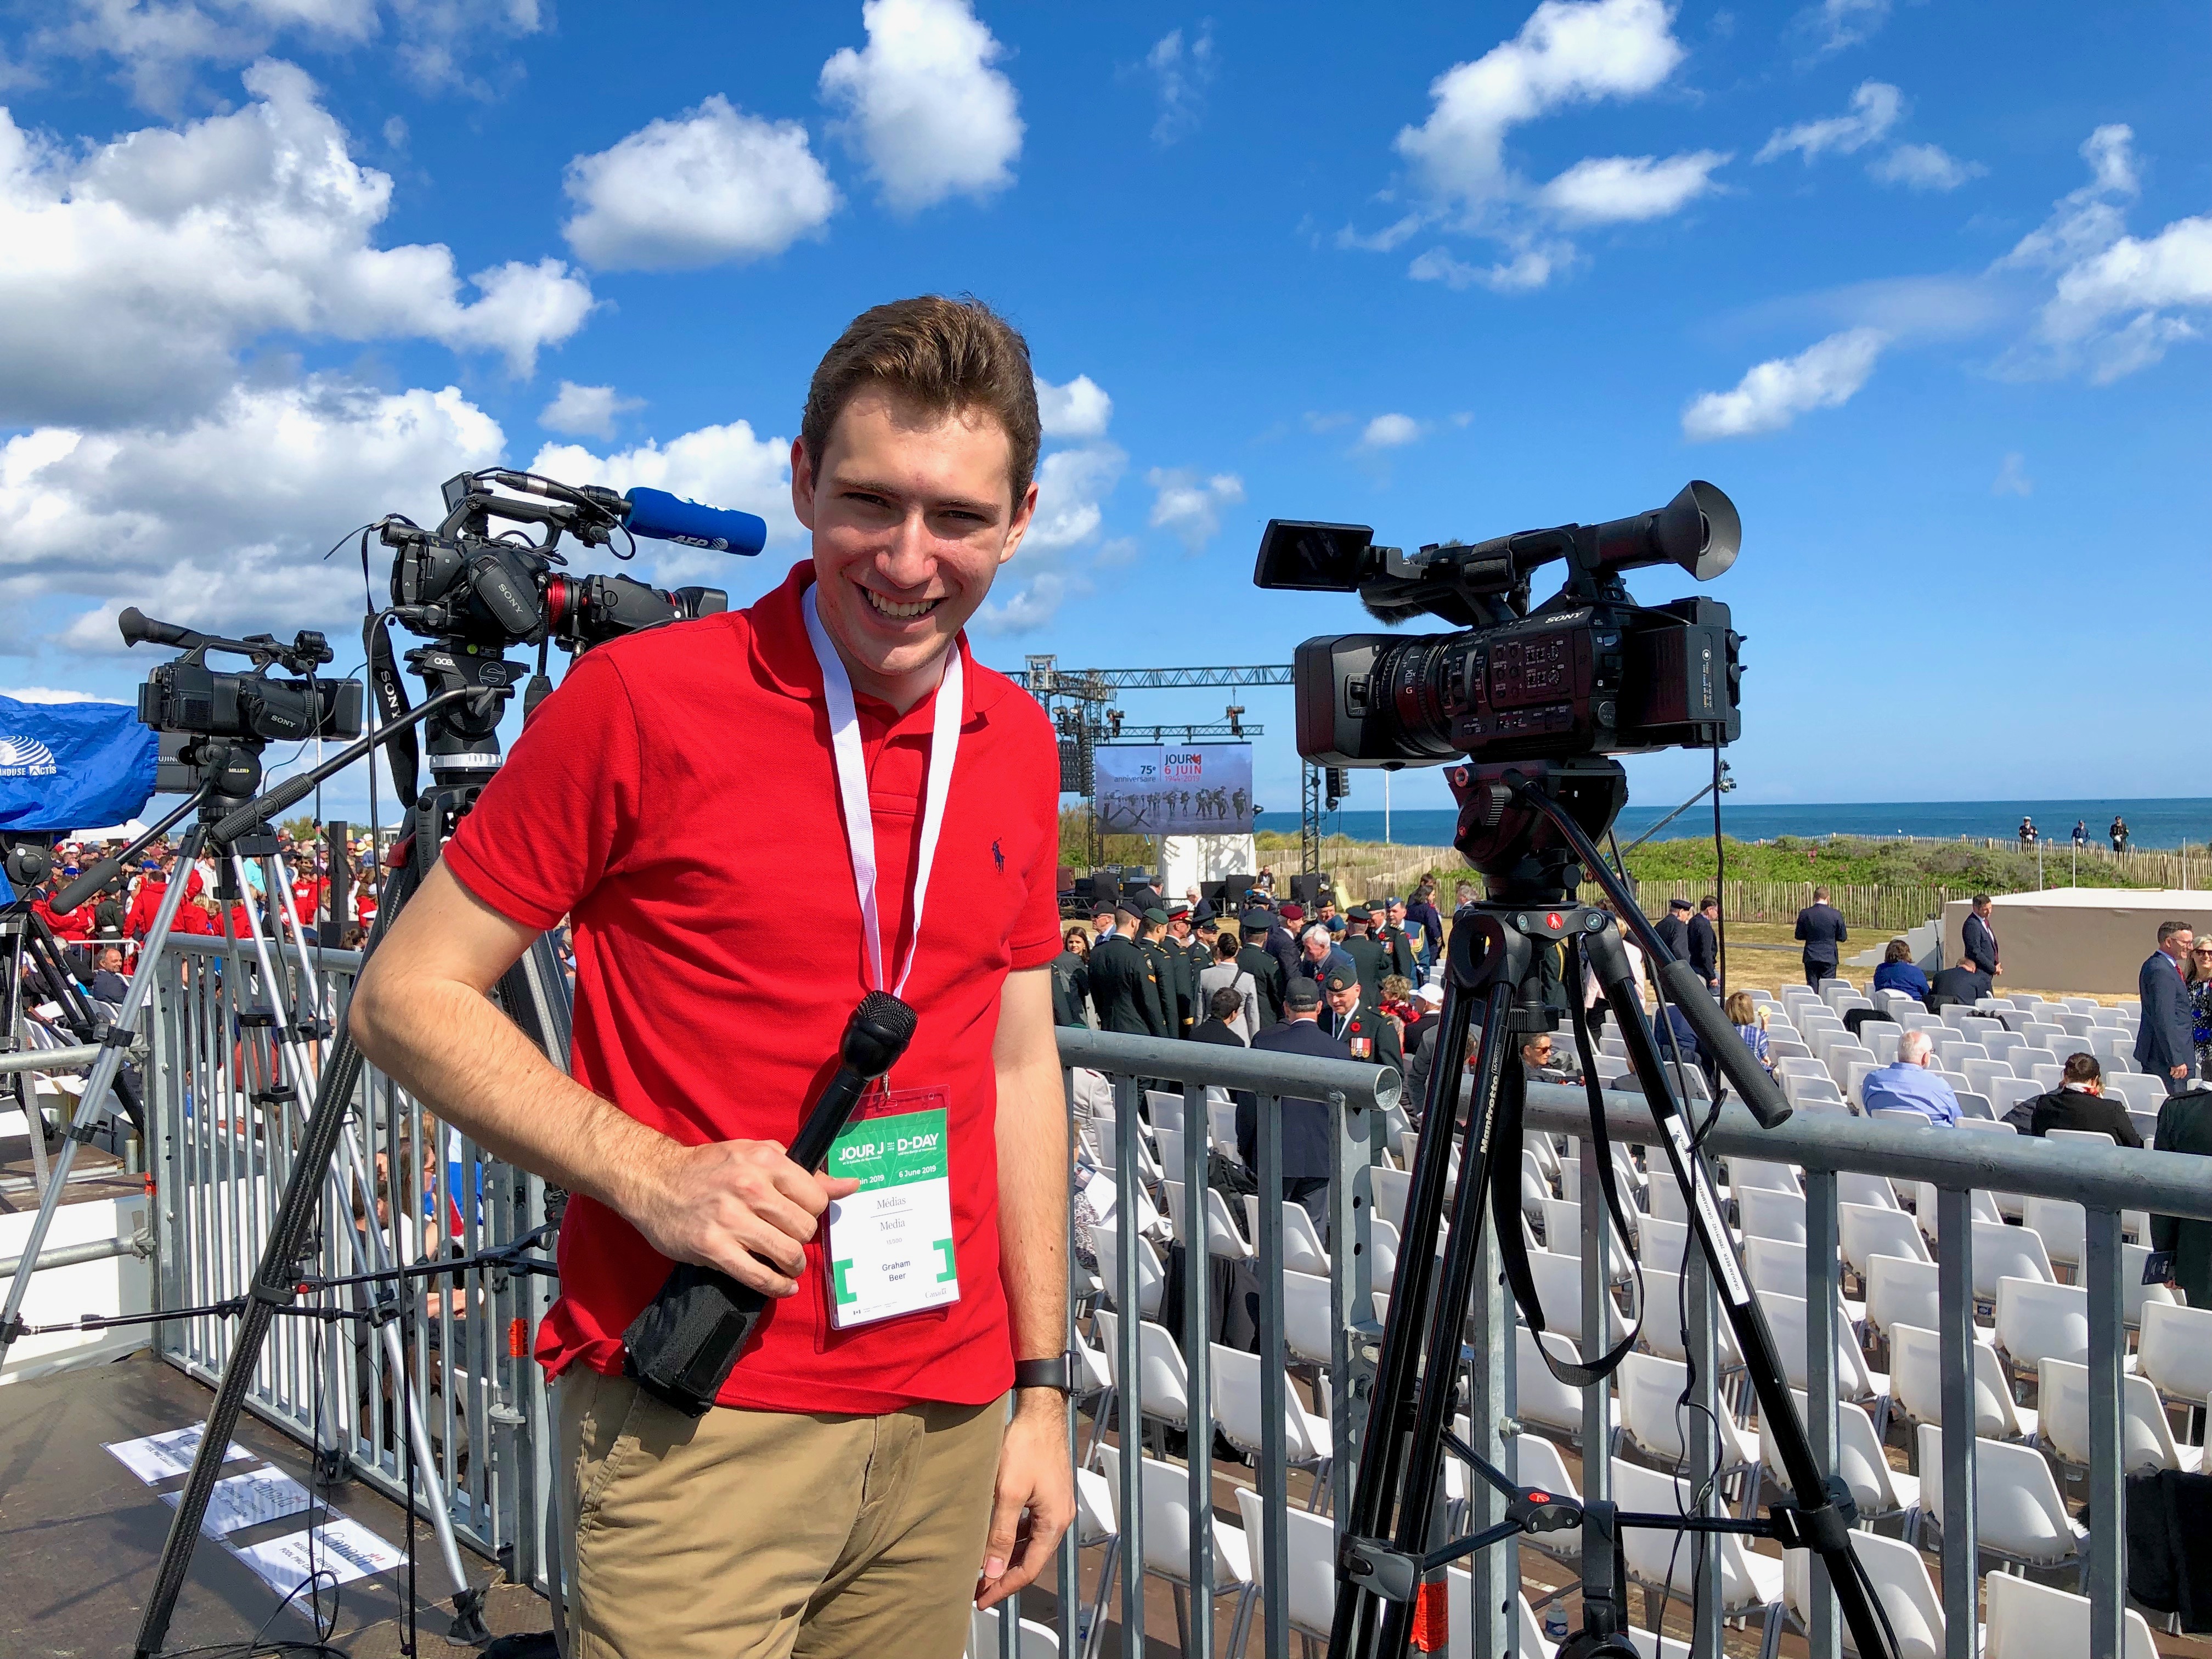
[{"x": 999, "y": 856}]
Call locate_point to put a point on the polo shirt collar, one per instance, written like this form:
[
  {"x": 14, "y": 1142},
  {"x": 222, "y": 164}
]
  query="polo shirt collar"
[{"x": 785, "y": 659}]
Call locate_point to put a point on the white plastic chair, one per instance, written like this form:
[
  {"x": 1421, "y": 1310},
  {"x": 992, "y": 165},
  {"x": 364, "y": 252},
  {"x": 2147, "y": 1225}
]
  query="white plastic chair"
[
  {"x": 2003, "y": 1252},
  {"x": 1152, "y": 1280},
  {"x": 1905, "y": 1292},
  {"x": 1649, "y": 1387},
  {"x": 1036, "y": 1641},
  {"x": 2037, "y": 1321},
  {"x": 1764, "y": 1174},
  {"x": 1309, "y": 1591},
  {"x": 1853, "y": 1186},
  {"x": 1866, "y": 1232},
  {"x": 1383, "y": 1241},
  {"x": 1901, "y": 1583},
  {"x": 1777, "y": 1268},
  {"x": 1558, "y": 1280},
  {"x": 2028, "y": 1620},
  {"x": 1771, "y": 1215},
  {"x": 2062, "y": 1227},
  {"x": 1162, "y": 1383},
  {"x": 1307, "y": 1332},
  {"x": 1302, "y": 1247},
  {"x": 1391, "y": 1189},
  {"x": 1662, "y": 1322},
  {"x": 1880, "y": 1492},
  {"x": 1665, "y": 1243},
  {"x": 1166, "y": 1494},
  {"x": 2019, "y": 1515},
  {"x": 1751, "y": 1585},
  {"x": 2175, "y": 1351},
  {"x": 1542, "y": 1401},
  {"x": 2062, "y": 1398},
  {"x": 1915, "y": 1386},
  {"x": 1165, "y": 1107},
  {"x": 1855, "y": 1380},
  {"x": 1236, "y": 1410}
]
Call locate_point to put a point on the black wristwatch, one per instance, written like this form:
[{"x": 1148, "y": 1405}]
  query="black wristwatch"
[{"x": 1057, "y": 1373}]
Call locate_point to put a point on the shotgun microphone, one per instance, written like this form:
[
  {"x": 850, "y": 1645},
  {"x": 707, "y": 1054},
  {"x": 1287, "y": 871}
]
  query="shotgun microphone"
[{"x": 682, "y": 1346}]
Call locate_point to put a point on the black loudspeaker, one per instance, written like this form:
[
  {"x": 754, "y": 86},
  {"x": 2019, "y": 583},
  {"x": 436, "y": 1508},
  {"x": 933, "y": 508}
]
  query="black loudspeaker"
[
  {"x": 1105, "y": 887},
  {"x": 1217, "y": 894},
  {"x": 1306, "y": 889}
]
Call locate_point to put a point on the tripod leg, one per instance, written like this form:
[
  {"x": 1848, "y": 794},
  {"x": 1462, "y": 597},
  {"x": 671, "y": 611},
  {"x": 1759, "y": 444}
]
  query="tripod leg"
[
  {"x": 94, "y": 1109},
  {"x": 272, "y": 1289},
  {"x": 1754, "y": 1340},
  {"x": 1375, "y": 1491},
  {"x": 372, "y": 1256},
  {"x": 1425, "y": 1453}
]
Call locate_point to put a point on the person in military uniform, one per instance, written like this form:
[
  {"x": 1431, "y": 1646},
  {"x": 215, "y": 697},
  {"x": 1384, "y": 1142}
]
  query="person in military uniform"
[
  {"x": 1367, "y": 955},
  {"x": 1071, "y": 982},
  {"x": 1369, "y": 1034},
  {"x": 1124, "y": 983},
  {"x": 1201, "y": 943},
  {"x": 1282, "y": 942},
  {"x": 1400, "y": 949},
  {"x": 1258, "y": 961},
  {"x": 1178, "y": 985},
  {"x": 1180, "y": 937}
]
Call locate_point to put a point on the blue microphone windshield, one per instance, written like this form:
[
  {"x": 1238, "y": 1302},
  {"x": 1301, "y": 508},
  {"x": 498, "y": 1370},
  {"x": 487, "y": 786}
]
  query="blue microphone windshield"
[{"x": 667, "y": 518}]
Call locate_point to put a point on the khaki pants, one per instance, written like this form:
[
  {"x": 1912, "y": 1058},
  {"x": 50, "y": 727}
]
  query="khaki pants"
[{"x": 747, "y": 1535}]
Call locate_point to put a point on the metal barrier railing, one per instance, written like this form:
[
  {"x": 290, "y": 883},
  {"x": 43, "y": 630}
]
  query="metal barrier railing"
[
  {"x": 220, "y": 1155},
  {"x": 221, "y": 1124},
  {"x": 2103, "y": 1181}
]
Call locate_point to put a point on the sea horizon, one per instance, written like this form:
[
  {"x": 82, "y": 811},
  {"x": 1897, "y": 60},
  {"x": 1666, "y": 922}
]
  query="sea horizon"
[{"x": 2153, "y": 822}]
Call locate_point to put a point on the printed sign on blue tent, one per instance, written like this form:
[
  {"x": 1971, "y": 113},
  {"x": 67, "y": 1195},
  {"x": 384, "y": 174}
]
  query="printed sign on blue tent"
[{"x": 68, "y": 766}]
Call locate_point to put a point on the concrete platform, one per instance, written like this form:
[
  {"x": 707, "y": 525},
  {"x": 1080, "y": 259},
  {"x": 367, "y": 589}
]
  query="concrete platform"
[{"x": 80, "y": 1534}]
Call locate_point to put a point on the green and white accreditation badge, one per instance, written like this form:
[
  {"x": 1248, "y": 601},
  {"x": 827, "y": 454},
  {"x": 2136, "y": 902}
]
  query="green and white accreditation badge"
[{"x": 891, "y": 1244}]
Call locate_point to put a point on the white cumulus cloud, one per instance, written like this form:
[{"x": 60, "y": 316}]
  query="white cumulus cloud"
[
  {"x": 133, "y": 273},
  {"x": 1180, "y": 73},
  {"x": 1876, "y": 107},
  {"x": 713, "y": 185},
  {"x": 1390, "y": 432},
  {"x": 2119, "y": 302},
  {"x": 1774, "y": 393},
  {"x": 726, "y": 465},
  {"x": 1924, "y": 167},
  {"x": 1077, "y": 410},
  {"x": 1841, "y": 23},
  {"x": 587, "y": 411},
  {"x": 1189, "y": 506},
  {"x": 1031, "y": 603},
  {"x": 222, "y": 521},
  {"x": 1072, "y": 487},
  {"x": 1608, "y": 189},
  {"x": 921, "y": 105},
  {"x": 1569, "y": 53}
]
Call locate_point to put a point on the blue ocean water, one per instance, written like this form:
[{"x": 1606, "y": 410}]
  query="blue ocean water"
[{"x": 2151, "y": 823}]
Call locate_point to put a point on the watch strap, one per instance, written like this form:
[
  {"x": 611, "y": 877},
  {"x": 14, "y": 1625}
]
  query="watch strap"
[{"x": 1056, "y": 1373}]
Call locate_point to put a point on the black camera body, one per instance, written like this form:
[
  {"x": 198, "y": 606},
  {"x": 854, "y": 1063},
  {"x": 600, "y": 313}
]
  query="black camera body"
[
  {"x": 189, "y": 696},
  {"x": 465, "y": 586},
  {"x": 1587, "y": 672}
]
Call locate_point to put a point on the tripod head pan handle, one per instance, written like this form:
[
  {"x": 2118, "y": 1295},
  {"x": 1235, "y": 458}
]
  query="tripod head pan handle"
[
  {"x": 1717, "y": 1038},
  {"x": 87, "y": 883}
]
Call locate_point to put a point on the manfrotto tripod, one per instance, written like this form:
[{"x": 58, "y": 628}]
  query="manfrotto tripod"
[
  {"x": 463, "y": 717},
  {"x": 1515, "y": 965}
]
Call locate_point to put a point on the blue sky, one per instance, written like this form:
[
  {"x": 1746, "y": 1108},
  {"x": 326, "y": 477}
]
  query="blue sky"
[{"x": 1924, "y": 293}]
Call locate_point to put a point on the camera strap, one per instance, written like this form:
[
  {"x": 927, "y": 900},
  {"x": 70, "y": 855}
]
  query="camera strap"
[
  {"x": 853, "y": 789},
  {"x": 1505, "y": 1202},
  {"x": 401, "y": 753}
]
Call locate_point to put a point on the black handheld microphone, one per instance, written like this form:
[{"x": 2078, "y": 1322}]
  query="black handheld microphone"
[{"x": 682, "y": 1346}]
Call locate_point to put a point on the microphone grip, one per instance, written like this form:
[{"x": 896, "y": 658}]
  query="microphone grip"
[
  {"x": 683, "y": 1345},
  {"x": 1717, "y": 1037},
  {"x": 87, "y": 883}
]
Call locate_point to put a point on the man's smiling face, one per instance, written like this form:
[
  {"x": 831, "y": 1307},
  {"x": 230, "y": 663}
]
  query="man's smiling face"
[{"x": 913, "y": 514}]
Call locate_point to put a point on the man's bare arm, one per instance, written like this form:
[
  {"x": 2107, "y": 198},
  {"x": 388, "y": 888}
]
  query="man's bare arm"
[
  {"x": 420, "y": 1013},
  {"x": 1034, "y": 1474}
]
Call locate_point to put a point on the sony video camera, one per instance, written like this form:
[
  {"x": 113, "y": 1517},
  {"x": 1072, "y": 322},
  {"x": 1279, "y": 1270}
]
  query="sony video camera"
[
  {"x": 1589, "y": 671},
  {"x": 461, "y": 584}
]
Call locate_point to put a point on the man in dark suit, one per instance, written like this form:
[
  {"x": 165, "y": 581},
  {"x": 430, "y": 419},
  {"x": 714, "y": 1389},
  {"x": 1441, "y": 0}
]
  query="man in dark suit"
[
  {"x": 1125, "y": 986},
  {"x": 1705, "y": 942},
  {"x": 1674, "y": 928},
  {"x": 2164, "y": 1046},
  {"x": 1258, "y": 961},
  {"x": 2185, "y": 1125},
  {"x": 1961, "y": 982},
  {"x": 1977, "y": 941},
  {"x": 1821, "y": 926},
  {"x": 1309, "y": 1138}
]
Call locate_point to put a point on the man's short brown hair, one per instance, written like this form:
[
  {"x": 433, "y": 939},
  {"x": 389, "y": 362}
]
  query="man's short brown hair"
[{"x": 945, "y": 354}]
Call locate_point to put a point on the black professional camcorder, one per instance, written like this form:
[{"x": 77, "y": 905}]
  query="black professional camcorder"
[
  {"x": 461, "y": 584},
  {"x": 186, "y": 695},
  {"x": 1589, "y": 671}
]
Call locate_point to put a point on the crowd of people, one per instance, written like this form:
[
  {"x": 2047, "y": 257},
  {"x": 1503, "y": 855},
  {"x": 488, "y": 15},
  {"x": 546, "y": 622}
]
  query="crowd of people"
[{"x": 102, "y": 937}]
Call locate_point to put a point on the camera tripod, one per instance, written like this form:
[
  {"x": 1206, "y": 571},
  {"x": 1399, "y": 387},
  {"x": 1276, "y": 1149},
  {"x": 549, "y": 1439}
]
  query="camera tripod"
[
  {"x": 462, "y": 718},
  {"x": 1516, "y": 963}
]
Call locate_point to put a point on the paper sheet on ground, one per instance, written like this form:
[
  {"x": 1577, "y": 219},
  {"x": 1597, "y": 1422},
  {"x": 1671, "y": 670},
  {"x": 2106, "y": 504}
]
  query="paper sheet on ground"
[
  {"x": 164, "y": 1456},
  {"x": 341, "y": 1551},
  {"x": 240, "y": 1501}
]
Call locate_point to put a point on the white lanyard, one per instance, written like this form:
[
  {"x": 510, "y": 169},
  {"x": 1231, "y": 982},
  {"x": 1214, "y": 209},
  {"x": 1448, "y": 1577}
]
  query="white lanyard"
[{"x": 853, "y": 789}]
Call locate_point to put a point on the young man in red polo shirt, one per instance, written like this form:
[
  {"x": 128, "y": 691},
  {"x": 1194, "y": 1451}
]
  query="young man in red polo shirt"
[{"x": 862, "y": 1464}]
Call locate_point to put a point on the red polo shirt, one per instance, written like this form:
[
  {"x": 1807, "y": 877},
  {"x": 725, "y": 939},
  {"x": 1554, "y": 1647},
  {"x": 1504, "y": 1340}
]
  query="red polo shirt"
[{"x": 677, "y": 798}]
